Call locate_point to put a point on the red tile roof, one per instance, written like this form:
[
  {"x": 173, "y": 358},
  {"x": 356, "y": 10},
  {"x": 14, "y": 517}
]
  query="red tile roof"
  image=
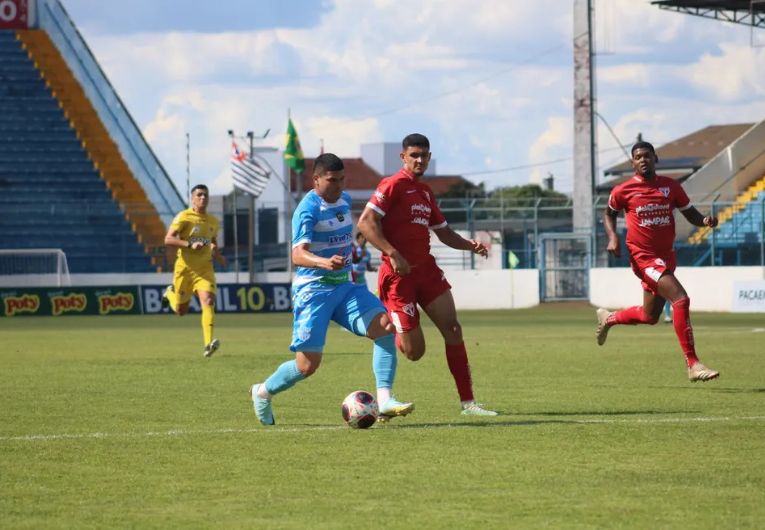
[{"x": 360, "y": 177}]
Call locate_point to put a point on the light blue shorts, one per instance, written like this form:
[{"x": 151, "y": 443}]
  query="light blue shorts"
[{"x": 350, "y": 305}]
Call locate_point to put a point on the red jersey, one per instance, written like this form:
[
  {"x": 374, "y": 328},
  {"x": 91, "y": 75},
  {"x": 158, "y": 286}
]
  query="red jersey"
[
  {"x": 648, "y": 206},
  {"x": 408, "y": 211}
]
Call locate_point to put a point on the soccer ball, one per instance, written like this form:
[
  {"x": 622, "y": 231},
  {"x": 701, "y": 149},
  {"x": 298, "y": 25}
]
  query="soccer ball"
[{"x": 360, "y": 409}]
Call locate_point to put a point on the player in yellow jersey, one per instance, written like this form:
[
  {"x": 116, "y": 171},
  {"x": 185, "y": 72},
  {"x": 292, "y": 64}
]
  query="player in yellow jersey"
[{"x": 194, "y": 232}]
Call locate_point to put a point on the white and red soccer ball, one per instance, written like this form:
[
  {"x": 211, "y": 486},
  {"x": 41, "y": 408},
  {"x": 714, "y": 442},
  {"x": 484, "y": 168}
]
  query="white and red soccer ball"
[{"x": 360, "y": 409}]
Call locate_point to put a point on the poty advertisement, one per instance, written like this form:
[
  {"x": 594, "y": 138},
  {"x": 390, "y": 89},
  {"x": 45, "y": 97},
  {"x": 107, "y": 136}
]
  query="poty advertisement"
[{"x": 137, "y": 300}]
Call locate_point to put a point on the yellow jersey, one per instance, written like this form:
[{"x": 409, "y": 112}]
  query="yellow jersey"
[{"x": 192, "y": 226}]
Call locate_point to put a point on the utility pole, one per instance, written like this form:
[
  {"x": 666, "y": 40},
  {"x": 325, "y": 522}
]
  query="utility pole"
[{"x": 584, "y": 118}]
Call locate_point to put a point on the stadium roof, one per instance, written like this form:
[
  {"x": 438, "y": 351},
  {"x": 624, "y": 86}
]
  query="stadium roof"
[
  {"x": 750, "y": 13},
  {"x": 681, "y": 158}
]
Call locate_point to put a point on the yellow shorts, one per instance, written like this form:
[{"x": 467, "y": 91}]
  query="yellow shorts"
[{"x": 187, "y": 281}]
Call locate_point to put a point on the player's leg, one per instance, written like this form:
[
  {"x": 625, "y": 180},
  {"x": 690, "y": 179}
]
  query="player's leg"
[
  {"x": 363, "y": 314},
  {"x": 283, "y": 378},
  {"x": 649, "y": 272},
  {"x": 399, "y": 296},
  {"x": 671, "y": 289},
  {"x": 177, "y": 295},
  {"x": 207, "y": 304},
  {"x": 443, "y": 313},
  {"x": 204, "y": 285},
  {"x": 309, "y": 330}
]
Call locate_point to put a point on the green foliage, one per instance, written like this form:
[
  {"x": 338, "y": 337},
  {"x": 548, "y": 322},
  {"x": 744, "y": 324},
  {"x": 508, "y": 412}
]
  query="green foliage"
[{"x": 119, "y": 422}]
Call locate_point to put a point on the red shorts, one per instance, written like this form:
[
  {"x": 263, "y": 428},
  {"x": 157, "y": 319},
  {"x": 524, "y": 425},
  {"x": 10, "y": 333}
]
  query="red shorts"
[
  {"x": 649, "y": 268},
  {"x": 401, "y": 294}
]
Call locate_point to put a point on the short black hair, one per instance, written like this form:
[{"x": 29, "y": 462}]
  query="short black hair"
[
  {"x": 415, "y": 140},
  {"x": 200, "y": 187},
  {"x": 327, "y": 162},
  {"x": 642, "y": 145}
]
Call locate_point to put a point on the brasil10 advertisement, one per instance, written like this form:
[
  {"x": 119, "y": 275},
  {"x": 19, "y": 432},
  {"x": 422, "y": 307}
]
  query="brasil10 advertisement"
[{"x": 137, "y": 300}]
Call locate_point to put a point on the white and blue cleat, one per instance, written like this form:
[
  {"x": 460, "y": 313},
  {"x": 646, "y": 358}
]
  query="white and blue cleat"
[{"x": 262, "y": 407}]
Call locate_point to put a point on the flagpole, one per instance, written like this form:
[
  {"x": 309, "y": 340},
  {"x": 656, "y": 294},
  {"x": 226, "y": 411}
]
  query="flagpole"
[
  {"x": 236, "y": 234},
  {"x": 236, "y": 241},
  {"x": 188, "y": 170},
  {"x": 288, "y": 228},
  {"x": 251, "y": 223}
]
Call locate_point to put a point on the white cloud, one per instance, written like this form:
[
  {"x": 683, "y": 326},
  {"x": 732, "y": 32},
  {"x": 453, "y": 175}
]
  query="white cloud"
[
  {"x": 458, "y": 70},
  {"x": 559, "y": 133},
  {"x": 735, "y": 73}
]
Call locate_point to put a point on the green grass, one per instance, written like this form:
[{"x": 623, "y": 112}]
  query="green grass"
[{"x": 120, "y": 422}]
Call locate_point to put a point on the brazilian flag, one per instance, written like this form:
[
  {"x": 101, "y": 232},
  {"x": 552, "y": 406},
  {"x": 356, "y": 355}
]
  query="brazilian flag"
[{"x": 293, "y": 153}]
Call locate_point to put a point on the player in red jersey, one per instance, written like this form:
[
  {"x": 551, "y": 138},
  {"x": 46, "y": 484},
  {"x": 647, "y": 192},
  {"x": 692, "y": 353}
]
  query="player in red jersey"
[
  {"x": 397, "y": 220},
  {"x": 648, "y": 200}
]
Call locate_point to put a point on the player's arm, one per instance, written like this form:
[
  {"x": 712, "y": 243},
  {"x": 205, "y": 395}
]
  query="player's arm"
[
  {"x": 609, "y": 223},
  {"x": 452, "y": 239},
  {"x": 697, "y": 219},
  {"x": 370, "y": 224},
  {"x": 302, "y": 257},
  {"x": 216, "y": 253},
  {"x": 172, "y": 239}
]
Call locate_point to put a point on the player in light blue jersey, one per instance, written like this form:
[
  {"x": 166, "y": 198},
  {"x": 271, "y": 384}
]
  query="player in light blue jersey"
[
  {"x": 361, "y": 260},
  {"x": 322, "y": 291}
]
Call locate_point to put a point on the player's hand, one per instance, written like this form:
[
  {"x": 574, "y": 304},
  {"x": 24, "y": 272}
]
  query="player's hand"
[
  {"x": 479, "y": 248},
  {"x": 614, "y": 248},
  {"x": 710, "y": 221},
  {"x": 399, "y": 264},
  {"x": 335, "y": 263},
  {"x": 196, "y": 245}
]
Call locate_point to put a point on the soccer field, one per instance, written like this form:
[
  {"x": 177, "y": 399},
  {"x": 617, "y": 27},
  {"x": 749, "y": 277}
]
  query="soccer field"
[{"x": 120, "y": 422}]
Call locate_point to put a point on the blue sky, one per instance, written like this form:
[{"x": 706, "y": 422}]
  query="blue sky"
[{"x": 489, "y": 81}]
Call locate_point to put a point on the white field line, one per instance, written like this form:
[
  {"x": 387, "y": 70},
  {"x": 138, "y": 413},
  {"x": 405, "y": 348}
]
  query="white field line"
[{"x": 278, "y": 430}]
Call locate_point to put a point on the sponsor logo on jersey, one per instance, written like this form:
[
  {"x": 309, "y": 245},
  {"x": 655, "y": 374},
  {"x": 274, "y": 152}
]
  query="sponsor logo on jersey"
[
  {"x": 651, "y": 208},
  {"x": 380, "y": 196},
  {"x": 662, "y": 220},
  {"x": 664, "y": 191}
]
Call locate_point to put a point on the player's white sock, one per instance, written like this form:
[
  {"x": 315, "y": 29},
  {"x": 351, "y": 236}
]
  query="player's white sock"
[
  {"x": 383, "y": 395},
  {"x": 263, "y": 393}
]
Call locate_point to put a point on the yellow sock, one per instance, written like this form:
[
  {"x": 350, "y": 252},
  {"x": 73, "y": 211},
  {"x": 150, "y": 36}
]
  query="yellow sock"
[
  {"x": 208, "y": 318},
  {"x": 173, "y": 299}
]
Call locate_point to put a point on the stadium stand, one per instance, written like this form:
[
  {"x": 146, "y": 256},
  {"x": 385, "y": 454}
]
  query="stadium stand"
[
  {"x": 52, "y": 195},
  {"x": 741, "y": 221},
  {"x": 75, "y": 170}
]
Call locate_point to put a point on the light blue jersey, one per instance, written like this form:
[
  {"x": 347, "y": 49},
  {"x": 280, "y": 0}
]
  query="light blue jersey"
[
  {"x": 328, "y": 228},
  {"x": 318, "y": 295}
]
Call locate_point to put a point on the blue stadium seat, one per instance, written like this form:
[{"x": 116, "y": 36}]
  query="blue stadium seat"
[{"x": 51, "y": 195}]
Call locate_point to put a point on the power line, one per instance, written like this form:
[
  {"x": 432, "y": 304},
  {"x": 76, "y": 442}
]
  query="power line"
[{"x": 529, "y": 166}]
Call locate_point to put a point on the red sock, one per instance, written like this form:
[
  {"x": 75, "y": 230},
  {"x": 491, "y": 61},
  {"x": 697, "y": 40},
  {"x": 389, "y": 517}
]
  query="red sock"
[
  {"x": 456, "y": 358},
  {"x": 631, "y": 316},
  {"x": 681, "y": 319}
]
